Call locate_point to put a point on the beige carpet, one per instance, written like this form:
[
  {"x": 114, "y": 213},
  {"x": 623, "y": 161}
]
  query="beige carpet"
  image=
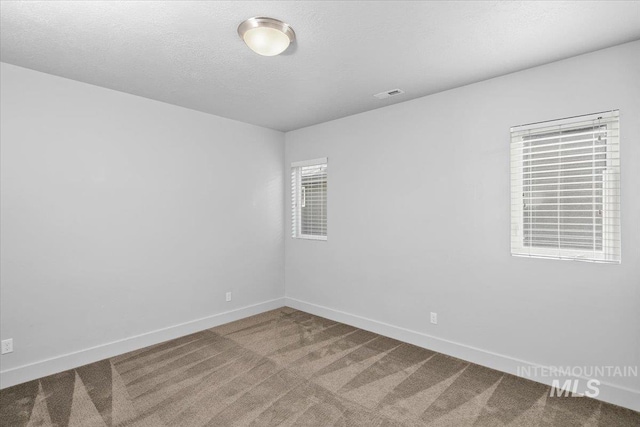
[{"x": 289, "y": 368}]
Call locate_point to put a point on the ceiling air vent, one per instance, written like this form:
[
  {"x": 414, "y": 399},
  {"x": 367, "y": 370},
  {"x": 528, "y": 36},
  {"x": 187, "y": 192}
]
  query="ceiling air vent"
[{"x": 389, "y": 93}]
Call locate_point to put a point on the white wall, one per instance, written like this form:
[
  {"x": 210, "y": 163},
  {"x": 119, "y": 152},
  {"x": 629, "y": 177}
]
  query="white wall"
[
  {"x": 419, "y": 221},
  {"x": 122, "y": 216}
]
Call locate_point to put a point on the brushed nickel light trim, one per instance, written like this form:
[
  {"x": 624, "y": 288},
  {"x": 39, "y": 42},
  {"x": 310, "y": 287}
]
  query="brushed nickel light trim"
[{"x": 264, "y": 22}]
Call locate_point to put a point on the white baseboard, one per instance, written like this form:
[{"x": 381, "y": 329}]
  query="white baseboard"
[
  {"x": 611, "y": 393},
  {"x": 64, "y": 362}
]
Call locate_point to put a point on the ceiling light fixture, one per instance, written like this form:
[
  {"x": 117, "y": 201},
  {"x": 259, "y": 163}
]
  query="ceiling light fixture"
[{"x": 266, "y": 36}]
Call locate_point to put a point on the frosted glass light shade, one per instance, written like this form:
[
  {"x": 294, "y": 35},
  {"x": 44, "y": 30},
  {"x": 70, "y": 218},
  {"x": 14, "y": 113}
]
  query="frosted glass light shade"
[
  {"x": 266, "y": 36},
  {"x": 266, "y": 41}
]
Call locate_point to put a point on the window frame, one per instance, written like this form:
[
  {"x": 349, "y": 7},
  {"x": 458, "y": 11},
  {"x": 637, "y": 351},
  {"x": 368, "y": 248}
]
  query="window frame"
[
  {"x": 612, "y": 168},
  {"x": 296, "y": 196}
]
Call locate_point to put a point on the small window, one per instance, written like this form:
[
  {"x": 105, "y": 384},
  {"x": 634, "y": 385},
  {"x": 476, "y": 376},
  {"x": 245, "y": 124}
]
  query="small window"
[
  {"x": 309, "y": 199},
  {"x": 565, "y": 189}
]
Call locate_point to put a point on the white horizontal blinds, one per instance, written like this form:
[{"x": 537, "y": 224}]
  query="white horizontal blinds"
[
  {"x": 295, "y": 197},
  {"x": 313, "y": 212},
  {"x": 309, "y": 199},
  {"x": 565, "y": 189}
]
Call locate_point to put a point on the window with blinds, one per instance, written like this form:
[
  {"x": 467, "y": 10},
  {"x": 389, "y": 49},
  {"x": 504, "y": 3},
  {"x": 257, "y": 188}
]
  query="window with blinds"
[
  {"x": 309, "y": 199},
  {"x": 565, "y": 189}
]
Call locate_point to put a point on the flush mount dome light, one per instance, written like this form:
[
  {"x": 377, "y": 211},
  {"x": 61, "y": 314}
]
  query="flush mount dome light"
[{"x": 266, "y": 36}]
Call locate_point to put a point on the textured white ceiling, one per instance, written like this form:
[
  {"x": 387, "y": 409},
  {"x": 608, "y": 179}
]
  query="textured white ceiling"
[{"x": 188, "y": 52}]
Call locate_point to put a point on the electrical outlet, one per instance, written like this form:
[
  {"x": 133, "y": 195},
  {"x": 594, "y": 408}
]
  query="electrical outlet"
[
  {"x": 7, "y": 346},
  {"x": 228, "y": 296},
  {"x": 434, "y": 318}
]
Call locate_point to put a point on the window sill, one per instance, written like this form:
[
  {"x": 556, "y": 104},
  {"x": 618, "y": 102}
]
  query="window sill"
[{"x": 311, "y": 237}]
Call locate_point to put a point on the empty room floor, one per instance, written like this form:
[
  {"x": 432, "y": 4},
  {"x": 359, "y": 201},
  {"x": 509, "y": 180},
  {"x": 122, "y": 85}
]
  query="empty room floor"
[{"x": 286, "y": 367}]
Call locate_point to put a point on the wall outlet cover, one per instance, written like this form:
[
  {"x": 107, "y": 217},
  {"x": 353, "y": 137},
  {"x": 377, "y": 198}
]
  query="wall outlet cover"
[
  {"x": 7, "y": 346},
  {"x": 434, "y": 318}
]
